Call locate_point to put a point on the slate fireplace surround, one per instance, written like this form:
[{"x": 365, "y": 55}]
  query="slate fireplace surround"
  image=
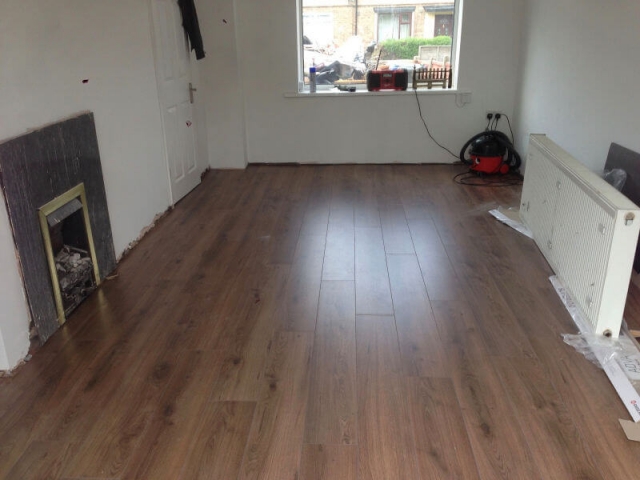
[{"x": 36, "y": 168}]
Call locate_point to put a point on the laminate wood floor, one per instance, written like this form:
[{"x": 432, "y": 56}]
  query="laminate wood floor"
[{"x": 319, "y": 323}]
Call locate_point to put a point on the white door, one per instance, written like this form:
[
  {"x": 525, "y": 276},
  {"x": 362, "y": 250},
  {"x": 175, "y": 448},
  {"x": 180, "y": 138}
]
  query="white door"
[{"x": 173, "y": 72}]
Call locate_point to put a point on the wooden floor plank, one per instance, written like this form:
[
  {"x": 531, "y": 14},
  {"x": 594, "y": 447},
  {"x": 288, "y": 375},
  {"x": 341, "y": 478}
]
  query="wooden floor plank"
[
  {"x": 299, "y": 308},
  {"x": 544, "y": 318},
  {"x": 500, "y": 327},
  {"x": 395, "y": 231},
  {"x": 386, "y": 187},
  {"x": 316, "y": 215},
  {"x": 595, "y": 409},
  {"x": 468, "y": 227},
  {"x": 229, "y": 344},
  {"x": 498, "y": 443},
  {"x": 341, "y": 210},
  {"x": 437, "y": 271},
  {"x": 328, "y": 462},
  {"x": 168, "y": 439},
  {"x": 30, "y": 417},
  {"x": 458, "y": 328},
  {"x": 499, "y": 446},
  {"x": 41, "y": 460},
  {"x": 425, "y": 237},
  {"x": 274, "y": 446},
  {"x": 386, "y": 449},
  {"x": 420, "y": 343},
  {"x": 285, "y": 233},
  {"x": 331, "y": 411},
  {"x": 442, "y": 444},
  {"x": 373, "y": 295},
  {"x": 315, "y": 220},
  {"x": 117, "y": 368},
  {"x": 542, "y": 414},
  {"x": 245, "y": 344},
  {"x": 339, "y": 256},
  {"x": 367, "y": 213},
  {"x": 219, "y": 445}
]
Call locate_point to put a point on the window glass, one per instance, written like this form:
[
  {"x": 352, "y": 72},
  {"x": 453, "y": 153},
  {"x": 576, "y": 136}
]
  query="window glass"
[
  {"x": 443, "y": 25},
  {"x": 387, "y": 26},
  {"x": 344, "y": 39}
]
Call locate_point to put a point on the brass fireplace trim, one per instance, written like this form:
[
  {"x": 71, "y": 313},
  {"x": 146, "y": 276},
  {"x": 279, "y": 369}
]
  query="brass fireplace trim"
[{"x": 44, "y": 212}]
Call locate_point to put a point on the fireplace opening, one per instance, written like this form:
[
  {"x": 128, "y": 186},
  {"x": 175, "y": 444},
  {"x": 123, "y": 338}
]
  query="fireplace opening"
[
  {"x": 70, "y": 251},
  {"x": 73, "y": 261}
]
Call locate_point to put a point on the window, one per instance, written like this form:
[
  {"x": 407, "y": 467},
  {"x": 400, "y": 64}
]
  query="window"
[
  {"x": 344, "y": 39},
  {"x": 443, "y": 25},
  {"x": 439, "y": 19},
  {"x": 393, "y": 23}
]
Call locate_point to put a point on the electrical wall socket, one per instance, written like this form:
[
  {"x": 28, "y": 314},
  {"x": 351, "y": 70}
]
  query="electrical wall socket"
[{"x": 462, "y": 98}]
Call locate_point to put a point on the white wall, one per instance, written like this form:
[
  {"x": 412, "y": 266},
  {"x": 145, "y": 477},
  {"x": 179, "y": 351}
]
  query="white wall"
[
  {"x": 46, "y": 50},
  {"x": 220, "y": 83},
  {"x": 352, "y": 128},
  {"x": 14, "y": 315},
  {"x": 581, "y": 65}
]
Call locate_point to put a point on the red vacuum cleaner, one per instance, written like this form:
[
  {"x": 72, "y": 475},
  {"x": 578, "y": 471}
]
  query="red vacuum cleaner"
[{"x": 491, "y": 153}]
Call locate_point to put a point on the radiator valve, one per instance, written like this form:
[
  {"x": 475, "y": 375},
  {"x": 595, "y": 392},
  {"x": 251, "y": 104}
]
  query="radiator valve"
[{"x": 628, "y": 219}]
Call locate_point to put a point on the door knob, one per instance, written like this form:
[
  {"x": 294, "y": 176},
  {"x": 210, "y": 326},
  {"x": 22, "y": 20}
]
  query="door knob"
[{"x": 191, "y": 90}]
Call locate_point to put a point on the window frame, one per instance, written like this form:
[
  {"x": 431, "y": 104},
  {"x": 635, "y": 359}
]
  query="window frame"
[
  {"x": 303, "y": 89},
  {"x": 401, "y": 23}
]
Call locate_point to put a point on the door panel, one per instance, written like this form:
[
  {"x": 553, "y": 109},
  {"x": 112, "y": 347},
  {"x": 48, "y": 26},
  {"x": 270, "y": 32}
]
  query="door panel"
[
  {"x": 174, "y": 79},
  {"x": 186, "y": 117}
]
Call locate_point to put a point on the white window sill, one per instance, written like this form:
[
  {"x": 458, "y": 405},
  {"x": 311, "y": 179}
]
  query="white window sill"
[{"x": 465, "y": 94}]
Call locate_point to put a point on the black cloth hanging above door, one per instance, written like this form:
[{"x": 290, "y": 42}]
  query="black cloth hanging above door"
[{"x": 191, "y": 26}]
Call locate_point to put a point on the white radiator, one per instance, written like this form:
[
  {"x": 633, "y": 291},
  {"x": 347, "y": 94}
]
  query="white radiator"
[{"x": 585, "y": 228}]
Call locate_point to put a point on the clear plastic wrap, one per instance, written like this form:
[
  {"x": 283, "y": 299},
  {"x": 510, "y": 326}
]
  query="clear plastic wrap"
[
  {"x": 596, "y": 348},
  {"x": 511, "y": 217},
  {"x": 615, "y": 177},
  {"x": 628, "y": 357},
  {"x": 619, "y": 358}
]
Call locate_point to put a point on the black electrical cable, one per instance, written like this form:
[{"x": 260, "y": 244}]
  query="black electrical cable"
[
  {"x": 427, "y": 128},
  {"x": 509, "y": 122},
  {"x": 472, "y": 179}
]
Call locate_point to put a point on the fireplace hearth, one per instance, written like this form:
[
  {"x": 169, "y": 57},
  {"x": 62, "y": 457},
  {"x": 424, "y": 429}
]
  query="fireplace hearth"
[{"x": 54, "y": 191}]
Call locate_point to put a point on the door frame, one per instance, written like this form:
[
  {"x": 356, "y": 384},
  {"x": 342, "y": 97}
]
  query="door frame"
[{"x": 202, "y": 163}]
